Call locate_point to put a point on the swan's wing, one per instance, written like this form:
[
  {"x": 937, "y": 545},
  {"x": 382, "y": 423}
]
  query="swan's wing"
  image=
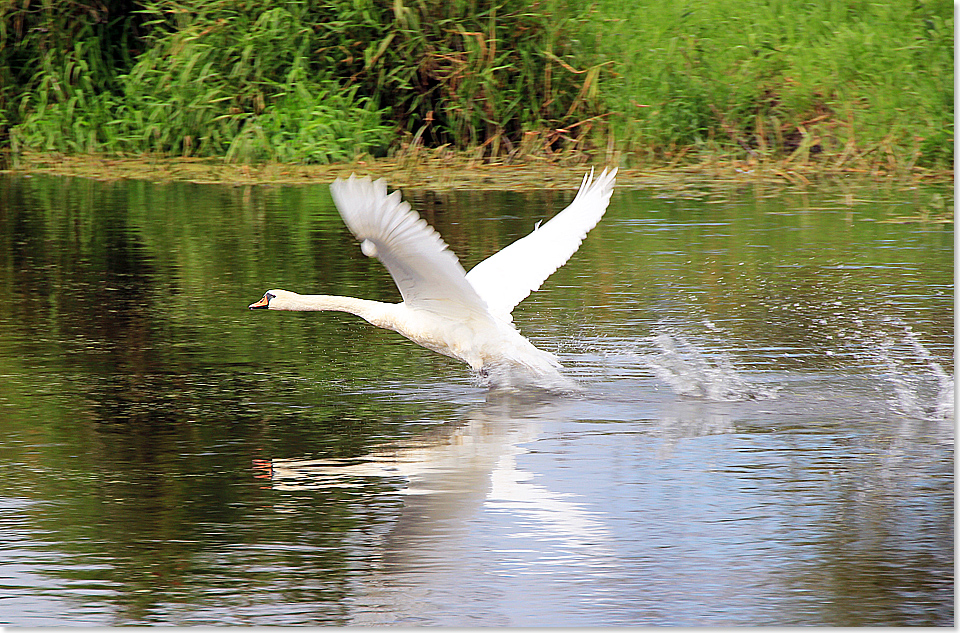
[
  {"x": 427, "y": 273},
  {"x": 506, "y": 278}
]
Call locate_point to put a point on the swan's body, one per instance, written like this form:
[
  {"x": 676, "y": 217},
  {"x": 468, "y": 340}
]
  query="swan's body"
[{"x": 462, "y": 315}]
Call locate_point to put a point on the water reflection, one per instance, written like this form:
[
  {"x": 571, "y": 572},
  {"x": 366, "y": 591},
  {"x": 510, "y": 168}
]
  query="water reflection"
[
  {"x": 446, "y": 477},
  {"x": 765, "y": 435},
  {"x": 446, "y": 474}
]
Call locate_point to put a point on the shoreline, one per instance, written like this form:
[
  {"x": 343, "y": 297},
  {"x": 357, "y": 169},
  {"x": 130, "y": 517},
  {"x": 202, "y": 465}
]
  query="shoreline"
[{"x": 458, "y": 173}]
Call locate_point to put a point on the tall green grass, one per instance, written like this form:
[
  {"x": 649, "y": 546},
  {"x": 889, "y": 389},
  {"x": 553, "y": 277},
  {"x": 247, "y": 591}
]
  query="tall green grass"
[
  {"x": 845, "y": 78},
  {"x": 309, "y": 81},
  {"x": 212, "y": 78}
]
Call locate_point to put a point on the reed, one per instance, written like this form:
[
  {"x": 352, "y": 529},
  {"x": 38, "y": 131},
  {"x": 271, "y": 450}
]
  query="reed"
[
  {"x": 210, "y": 79},
  {"x": 844, "y": 85}
]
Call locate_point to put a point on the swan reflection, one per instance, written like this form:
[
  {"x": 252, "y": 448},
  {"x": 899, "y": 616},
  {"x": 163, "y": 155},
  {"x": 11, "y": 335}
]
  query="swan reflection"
[{"x": 460, "y": 475}]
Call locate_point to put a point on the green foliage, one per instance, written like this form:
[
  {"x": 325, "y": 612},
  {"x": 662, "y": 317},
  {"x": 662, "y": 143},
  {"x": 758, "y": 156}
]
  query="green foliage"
[
  {"x": 472, "y": 73},
  {"x": 312, "y": 81},
  {"x": 306, "y": 81},
  {"x": 305, "y": 127},
  {"x": 213, "y": 79},
  {"x": 762, "y": 76},
  {"x": 55, "y": 61}
]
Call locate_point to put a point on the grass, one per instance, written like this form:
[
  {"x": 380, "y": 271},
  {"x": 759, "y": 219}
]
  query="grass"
[
  {"x": 829, "y": 81},
  {"x": 769, "y": 86}
]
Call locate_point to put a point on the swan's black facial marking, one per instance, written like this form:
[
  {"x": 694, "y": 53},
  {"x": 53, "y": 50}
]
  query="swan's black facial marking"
[{"x": 263, "y": 303}]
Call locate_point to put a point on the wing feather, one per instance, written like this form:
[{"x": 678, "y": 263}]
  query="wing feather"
[
  {"x": 506, "y": 278},
  {"x": 427, "y": 273}
]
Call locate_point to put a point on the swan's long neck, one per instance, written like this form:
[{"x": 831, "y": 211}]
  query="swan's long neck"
[{"x": 374, "y": 312}]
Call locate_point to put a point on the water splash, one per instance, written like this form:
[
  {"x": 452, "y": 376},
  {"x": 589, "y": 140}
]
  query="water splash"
[
  {"x": 514, "y": 378},
  {"x": 921, "y": 388},
  {"x": 690, "y": 372}
]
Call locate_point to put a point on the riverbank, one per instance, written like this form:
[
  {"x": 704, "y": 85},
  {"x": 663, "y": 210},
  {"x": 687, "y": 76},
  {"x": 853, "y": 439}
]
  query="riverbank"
[{"x": 439, "y": 172}]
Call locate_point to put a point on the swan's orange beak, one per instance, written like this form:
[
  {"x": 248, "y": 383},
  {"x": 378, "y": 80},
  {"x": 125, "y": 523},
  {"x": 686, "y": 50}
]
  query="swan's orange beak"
[{"x": 263, "y": 303}]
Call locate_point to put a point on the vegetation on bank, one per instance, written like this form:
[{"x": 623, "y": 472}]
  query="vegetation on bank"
[{"x": 848, "y": 84}]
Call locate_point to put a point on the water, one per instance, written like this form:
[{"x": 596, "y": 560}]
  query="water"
[{"x": 765, "y": 436}]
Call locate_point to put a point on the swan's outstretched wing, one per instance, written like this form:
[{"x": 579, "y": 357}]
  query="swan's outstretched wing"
[
  {"x": 506, "y": 278},
  {"x": 427, "y": 273}
]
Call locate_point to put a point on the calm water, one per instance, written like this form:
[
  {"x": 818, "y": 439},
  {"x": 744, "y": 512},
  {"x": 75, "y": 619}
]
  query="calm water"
[{"x": 766, "y": 434}]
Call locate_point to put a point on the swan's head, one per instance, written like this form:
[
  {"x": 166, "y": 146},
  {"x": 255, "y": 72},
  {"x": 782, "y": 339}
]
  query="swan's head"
[{"x": 272, "y": 300}]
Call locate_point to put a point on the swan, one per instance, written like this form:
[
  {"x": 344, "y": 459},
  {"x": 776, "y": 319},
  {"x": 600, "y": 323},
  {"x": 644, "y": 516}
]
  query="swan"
[{"x": 463, "y": 315}]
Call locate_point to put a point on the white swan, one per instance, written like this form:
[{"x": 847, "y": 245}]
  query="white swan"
[{"x": 462, "y": 315}]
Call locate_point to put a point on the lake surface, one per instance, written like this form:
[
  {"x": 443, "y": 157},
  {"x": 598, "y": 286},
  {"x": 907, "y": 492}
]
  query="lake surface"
[{"x": 765, "y": 436}]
